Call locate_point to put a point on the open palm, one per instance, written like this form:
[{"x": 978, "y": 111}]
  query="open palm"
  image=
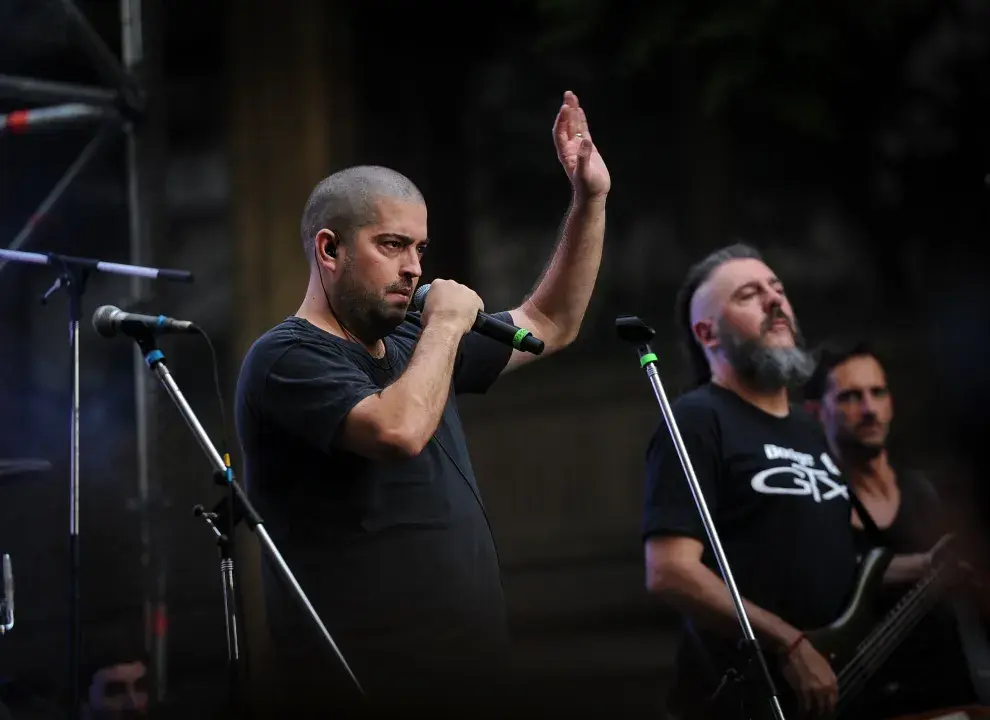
[{"x": 577, "y": 152}]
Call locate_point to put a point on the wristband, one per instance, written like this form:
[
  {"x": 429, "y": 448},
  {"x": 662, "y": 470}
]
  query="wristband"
[{"x": 794, "y": 645}]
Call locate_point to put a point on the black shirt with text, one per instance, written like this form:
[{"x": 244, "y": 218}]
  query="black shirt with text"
[{"x": 779, "y": 504}]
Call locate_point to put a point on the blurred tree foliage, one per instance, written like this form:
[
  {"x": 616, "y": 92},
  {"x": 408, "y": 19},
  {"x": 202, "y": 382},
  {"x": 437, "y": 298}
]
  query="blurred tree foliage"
[
  {"x": 795, "y": 61},
  {"x": 884, "y": 105}
]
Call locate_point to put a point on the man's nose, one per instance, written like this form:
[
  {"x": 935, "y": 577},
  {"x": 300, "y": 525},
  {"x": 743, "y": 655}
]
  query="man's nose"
[
  {"x": 868, "y": 405},
  {"x": 412, "y": 266},
  {"x": 773, "y": 299}
]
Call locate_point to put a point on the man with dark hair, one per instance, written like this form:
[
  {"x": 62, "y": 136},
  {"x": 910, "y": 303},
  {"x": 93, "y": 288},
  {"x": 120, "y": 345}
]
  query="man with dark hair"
[
  {"x": 697, "y": 274},
  {"x": 348, "y": 420},
  {"x": 778, "y": 502},
  {"x": 850, "y": 395}
]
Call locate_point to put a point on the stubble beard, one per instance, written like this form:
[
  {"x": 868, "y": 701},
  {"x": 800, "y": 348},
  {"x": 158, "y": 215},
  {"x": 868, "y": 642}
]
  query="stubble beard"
[{"x": 366, "y": 314}]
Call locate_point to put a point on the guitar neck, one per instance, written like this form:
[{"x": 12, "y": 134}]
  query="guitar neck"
[{"x": 889, "y": 634}]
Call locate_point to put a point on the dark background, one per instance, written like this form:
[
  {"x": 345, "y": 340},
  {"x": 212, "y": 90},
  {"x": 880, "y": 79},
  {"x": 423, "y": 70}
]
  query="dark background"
[{"x": 847, "y": 140}]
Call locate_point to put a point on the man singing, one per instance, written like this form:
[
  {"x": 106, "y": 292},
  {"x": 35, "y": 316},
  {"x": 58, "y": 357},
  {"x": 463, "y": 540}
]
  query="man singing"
[
  {"x": 779, "y": 504},
  {"x": 354, "y": 450}
]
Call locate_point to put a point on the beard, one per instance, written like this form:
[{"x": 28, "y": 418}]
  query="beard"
[
  {"x": 365, "y": 313},
  {"x": 763, "y": 367},
  {"x": 858, "y": 449}
]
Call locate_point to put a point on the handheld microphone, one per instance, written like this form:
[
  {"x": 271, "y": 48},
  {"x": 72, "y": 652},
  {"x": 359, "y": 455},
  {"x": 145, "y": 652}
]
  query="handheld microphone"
[
  {"x": 491, "y": 326},
  {"x": 7, "y": 601},
  {"x": 109, "y": 320}
]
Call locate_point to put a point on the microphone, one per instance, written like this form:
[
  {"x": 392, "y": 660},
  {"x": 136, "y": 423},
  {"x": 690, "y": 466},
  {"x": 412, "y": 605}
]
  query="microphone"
[
  {"x": 7, "y": 601},
  {"x": 109, "y": 320},
  {"x": 491, "y": 326}
]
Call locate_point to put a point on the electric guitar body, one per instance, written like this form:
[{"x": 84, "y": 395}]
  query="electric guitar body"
[
  {"x": 839, "y": 642},
  {"x": 856, "y": 645}
]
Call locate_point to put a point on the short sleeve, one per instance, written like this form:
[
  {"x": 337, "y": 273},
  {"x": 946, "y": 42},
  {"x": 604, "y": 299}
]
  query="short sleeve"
[
  {"x": 669, "y": 506},
  {"x": 480, "y": 361},
  {"x": 924, "y": 516},
  {"x": 309, "y": 391}
]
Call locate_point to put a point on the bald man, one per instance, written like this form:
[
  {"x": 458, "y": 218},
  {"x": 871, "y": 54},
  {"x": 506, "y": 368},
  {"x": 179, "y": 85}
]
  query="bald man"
[
  {"x": 347, "y": 416},
  {"x": 779, "y": 504}
]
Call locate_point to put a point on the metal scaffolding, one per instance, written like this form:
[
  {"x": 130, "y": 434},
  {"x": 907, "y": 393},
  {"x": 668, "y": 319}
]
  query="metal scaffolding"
[{"x": 121, "y": 108}]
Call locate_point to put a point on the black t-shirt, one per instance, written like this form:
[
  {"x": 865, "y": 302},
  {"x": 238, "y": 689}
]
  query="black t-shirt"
[
  {"x": 396, "y": 557},
  {"x": 778, "y": 501},
  {"x": 929, "y": 669}
]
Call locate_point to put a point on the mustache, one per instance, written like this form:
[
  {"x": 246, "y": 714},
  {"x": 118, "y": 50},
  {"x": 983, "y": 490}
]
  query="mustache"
[
  {"x": 399, "y": 288},
  {"x": 777, "y": 313}
]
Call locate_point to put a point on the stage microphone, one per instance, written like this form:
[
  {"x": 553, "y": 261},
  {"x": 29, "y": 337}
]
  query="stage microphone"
[
  {"x": 490, "y": 326},
  {"x": 109, "y": 320},
  {"x": 7, "y": 601}
]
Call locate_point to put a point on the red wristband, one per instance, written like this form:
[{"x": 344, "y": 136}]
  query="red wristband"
[{"x": 793, "y": 646}]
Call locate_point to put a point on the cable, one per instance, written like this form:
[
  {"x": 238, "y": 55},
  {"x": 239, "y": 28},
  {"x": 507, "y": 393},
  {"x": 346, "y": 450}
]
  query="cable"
[
  {"x": 340, "y": 322},
  {"x": 223, "y": 435},
  {"x": 227, "y": 545},
  {"x": 216, "y": 385}
]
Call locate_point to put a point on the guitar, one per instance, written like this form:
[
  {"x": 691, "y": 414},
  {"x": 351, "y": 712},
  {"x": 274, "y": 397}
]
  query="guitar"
[{"x": 856, "y": 644}]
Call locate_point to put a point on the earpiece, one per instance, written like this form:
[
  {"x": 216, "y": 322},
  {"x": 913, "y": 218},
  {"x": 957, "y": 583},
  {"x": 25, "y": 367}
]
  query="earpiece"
[{"x": 331, "y": 250}]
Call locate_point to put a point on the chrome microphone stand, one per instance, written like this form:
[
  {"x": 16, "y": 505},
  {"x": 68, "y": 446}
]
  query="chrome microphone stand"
[
  {"x": 7, "y": 599},
  {"x": 73, "y": 274},
  {"x": 635, "y": 332},
  {"x": 227, "y": 576},
  {"x": 240, "y": 507}
]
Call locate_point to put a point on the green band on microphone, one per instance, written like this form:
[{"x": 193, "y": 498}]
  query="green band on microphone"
[
  {"x": 519, "y": 337},
  {"x": 647, "y": 358}
]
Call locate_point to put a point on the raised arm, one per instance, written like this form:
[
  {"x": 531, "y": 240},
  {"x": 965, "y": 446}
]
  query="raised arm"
[{"x": 555, "y": 310}]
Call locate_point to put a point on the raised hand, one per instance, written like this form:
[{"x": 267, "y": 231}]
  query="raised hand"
[{"x": 577, "y": 152}]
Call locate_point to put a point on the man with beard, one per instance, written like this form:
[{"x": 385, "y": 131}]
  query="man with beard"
[
  {"x": 354, "y": 450},
  {"x": 779, "y": 505},
  {"x": 850, "y": 396}
]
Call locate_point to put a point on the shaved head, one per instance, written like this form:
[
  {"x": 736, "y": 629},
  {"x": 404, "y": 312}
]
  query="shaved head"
[
  {"x": 693, "y": 301},
  {"x": 709, "y": 295},
  {"x": 348, "y": 200},
  {"x": 734, "y": 313}
]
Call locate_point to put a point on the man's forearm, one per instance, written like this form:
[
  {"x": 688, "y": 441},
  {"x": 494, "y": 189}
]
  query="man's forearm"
[
  {"x": 417, "y": 399},
  {"x": 906, "y": 568},
  {"x": 564, "y": 291},
  {"x": 700, "y": 593}
]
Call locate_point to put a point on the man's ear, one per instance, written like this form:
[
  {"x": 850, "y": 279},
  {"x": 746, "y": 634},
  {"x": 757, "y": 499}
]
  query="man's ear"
[
  {"x": 704, "y": 333},
  {"x": 326, "y": 246}
]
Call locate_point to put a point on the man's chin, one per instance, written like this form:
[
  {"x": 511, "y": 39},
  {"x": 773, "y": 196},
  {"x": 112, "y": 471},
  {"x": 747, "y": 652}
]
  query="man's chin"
[
  {"x": 394, "y": 315},
  {"x": 873, "y": 441},
  {"x": 868, "y": 449},
  {"x": 782, "y": 338}
]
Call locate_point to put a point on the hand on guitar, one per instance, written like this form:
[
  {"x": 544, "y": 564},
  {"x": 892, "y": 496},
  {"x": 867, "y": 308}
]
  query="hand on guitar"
[{"x": 811, "y": 676}]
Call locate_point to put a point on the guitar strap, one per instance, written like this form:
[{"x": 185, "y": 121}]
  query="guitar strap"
[{"x": 874, "y": 533}]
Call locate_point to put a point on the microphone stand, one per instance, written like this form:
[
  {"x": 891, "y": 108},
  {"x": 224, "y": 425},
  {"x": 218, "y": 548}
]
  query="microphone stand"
[
  {"x": 73, "y": 272},
  {"x": 225, "y": 546},
  {"x": 7, "y": 599},
  {"x": 635, "y": 332},
  {"x": 241, "y": 507}
]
